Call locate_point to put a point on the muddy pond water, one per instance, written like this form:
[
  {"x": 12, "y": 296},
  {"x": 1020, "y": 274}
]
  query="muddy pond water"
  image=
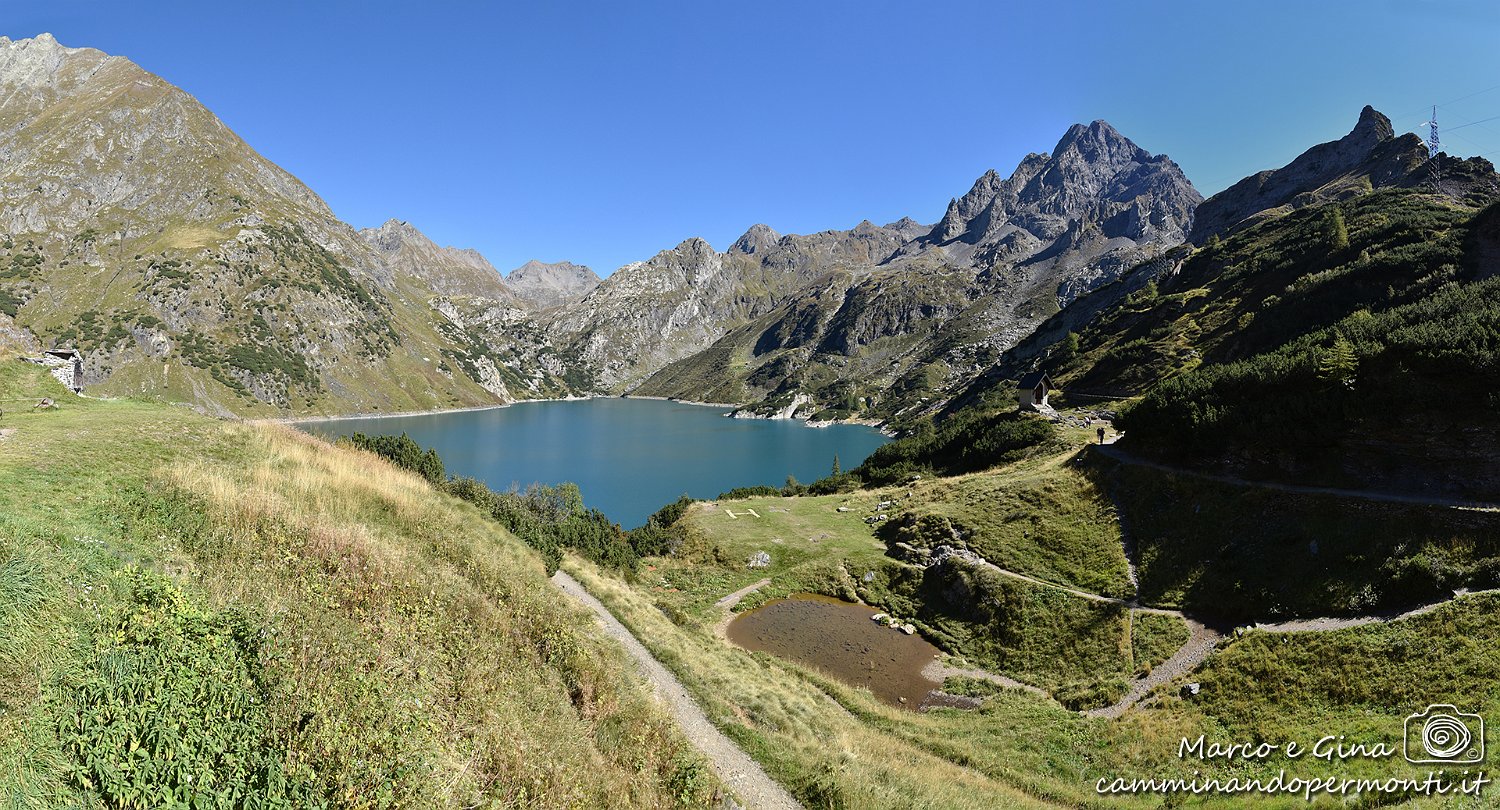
[{"x": 840, "y": 639}]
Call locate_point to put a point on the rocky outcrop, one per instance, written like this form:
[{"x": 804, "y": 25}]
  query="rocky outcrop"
[
  {"x": 543, "y": 285},
  {"x": 1369, "y": 157},
  {"x": 14, "y": 338},
  {"x": 650, "y": 314}
]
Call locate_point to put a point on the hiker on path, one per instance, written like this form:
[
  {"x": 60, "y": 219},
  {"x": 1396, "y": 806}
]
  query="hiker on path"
[{"x": 1101, "y": 435}]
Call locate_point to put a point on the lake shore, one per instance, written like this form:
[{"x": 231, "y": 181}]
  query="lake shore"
[
  {"x": 297, "y": 420},
  {"x": 732, "y": 407}
]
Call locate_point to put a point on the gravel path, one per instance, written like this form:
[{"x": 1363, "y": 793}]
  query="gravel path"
[
  {"x": 1325, "y": 624},
  {"x": 721, "y": 628},
  {"x": 732, "y": 765},
  {"x": 1201, "y": 642},
  {"x": 1202, "y": 639},
  {"x": 1092, "y": 597},
  {"x": 733, "y": 599}
]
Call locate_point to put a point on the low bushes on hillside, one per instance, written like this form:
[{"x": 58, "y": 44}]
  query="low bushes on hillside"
[
  {"x": 403, "y": 451},
  {"x": 1400, "y": 370},
  {"x": 550, "y": 519},
  {"x": 966, "y": 442}
]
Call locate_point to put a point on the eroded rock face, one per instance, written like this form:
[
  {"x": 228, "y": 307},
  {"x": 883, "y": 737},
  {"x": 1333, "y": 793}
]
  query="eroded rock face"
[
  {"x": 649, "y": 314},
  {"x": 443, "y": 270}
]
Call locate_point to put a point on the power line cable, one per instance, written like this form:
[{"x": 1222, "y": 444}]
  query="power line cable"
[
  {"x": 1454, "y": 101},
  {"x": 1472, "y": 123}
]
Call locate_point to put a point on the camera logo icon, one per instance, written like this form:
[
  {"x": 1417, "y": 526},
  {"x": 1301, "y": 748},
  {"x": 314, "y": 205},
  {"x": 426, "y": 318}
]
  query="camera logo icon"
[{"x": 1441, "y": 734}]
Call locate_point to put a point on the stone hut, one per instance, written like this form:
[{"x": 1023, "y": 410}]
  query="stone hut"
[{"x": 65, "y": 364}]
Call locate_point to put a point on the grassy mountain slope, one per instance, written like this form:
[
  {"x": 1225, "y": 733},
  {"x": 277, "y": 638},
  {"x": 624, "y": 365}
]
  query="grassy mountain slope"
[
  {"x": 1348, "y": 345},
  {"x": 139, "y": 228},
  {"x": 193, "y": 608}
]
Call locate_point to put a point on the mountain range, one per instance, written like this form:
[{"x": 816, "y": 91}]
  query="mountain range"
[{"x": 140, "y": 229}]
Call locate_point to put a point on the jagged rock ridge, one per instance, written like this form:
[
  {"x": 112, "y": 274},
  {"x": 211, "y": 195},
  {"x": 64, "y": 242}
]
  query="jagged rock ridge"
[
  {"x": 941, "y": 305},
  {"x": 1371, "y": 156}
]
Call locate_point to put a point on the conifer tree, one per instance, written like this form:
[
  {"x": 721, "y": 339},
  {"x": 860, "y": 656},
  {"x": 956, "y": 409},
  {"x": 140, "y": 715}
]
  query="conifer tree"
[
  {"x": 1338, "y": 232},
  {"x": 1339, "y": 361}
]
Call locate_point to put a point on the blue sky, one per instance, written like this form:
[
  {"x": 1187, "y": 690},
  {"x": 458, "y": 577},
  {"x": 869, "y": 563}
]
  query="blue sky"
[{"x": 604, "y": 132}]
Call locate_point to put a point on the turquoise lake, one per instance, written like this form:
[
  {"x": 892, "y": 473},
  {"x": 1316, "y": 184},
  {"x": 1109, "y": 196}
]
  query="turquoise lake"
[{"x": 628, "y": 456}]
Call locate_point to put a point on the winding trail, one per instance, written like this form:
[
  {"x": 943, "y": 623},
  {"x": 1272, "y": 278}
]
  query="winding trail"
[
  {"x": 1323, "y": 625},
  {"x": 1123, "y": 457},
  {"x": 737, "y": 770},
  {"x": 1203, "y": 638},
  {"x": 1202, "y": 641},
  {"x": 938, "y": 671}
]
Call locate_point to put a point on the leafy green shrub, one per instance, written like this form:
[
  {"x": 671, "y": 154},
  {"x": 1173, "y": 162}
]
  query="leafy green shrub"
[
  {"x": 661, "y": 535},
  {"x": 10, "y": 302},
  {"x": 551, "y": 519},
  {"x": 967, "y": 441},
  {"x": 403, "y": 451},
  {"x": 170, "y": 709},
  {"x": 741, "y": 493}
]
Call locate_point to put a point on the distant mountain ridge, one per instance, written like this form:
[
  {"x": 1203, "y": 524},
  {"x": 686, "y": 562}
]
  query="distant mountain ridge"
[
  {"x": 544, "y": 285},
  {"x": 445, "y": 270},
  {"x": 894, "y": 329},
  {"x": 137, "y": 227},
  {"x": 1370, "y": 157}
]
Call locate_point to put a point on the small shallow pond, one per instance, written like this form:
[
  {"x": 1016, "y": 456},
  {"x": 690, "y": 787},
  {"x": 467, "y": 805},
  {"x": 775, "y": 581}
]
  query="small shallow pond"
[{"x": 840, "y": 639}]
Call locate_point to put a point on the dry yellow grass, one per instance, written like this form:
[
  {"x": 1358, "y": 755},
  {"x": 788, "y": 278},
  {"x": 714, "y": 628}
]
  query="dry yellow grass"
[{"x": 413, "y": 652}]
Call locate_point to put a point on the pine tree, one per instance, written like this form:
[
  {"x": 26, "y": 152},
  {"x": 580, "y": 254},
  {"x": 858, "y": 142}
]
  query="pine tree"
[
  {"x": 1339, "y": 361},
  {"x": 836, "y": 469},
  {"x": 1069, "y": 348},
  {"x": 1338, "y": 233}
]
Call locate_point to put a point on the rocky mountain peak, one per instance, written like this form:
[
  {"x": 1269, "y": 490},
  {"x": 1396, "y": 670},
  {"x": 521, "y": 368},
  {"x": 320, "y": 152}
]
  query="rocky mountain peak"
[
  {"x": 409, "y": 253},
  {"x": 756, "y": 240},
  {"x": 1099, "y": 144},
  {"x": 392, "y": 234},
  {"x": 1370, "y": 156},
  {"x": 544, "y": 285},
  {"x": 41, "y": 62},
  {"x": 1372, "y": 128},
  {"x": 1095, "y": 175}
]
